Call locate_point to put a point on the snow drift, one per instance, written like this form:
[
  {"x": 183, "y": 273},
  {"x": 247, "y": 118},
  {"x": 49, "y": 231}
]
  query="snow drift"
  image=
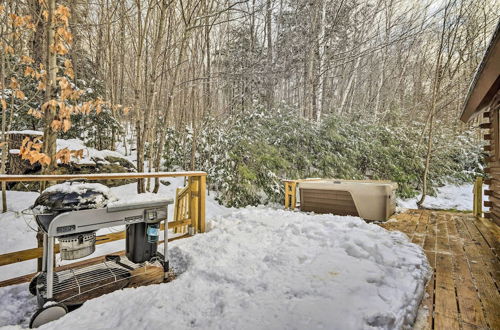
[
  {"x": 261, "y": 268},
  {"x": 256, "y": 268}
]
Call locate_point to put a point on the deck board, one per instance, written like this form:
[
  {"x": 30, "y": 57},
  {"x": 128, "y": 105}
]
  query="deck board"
[{"x": 463, "y": 292}]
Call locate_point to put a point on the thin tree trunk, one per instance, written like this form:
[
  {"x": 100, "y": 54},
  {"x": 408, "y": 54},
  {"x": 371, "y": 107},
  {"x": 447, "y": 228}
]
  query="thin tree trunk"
[
  {"x": 270, "y": 80},
  {"x": 435, "y": 91},
  {"x": 321, "y": 61},
  {"x": 5, "y": 147},
  {"x": 161, "y": 145}
]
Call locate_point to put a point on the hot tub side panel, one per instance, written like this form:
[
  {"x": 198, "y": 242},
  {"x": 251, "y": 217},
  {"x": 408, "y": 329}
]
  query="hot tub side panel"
[{"x": 327, "y": 201}]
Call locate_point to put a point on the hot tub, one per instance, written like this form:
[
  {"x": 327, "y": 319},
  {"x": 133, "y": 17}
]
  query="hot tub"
[{"x": 370, "y": 200}]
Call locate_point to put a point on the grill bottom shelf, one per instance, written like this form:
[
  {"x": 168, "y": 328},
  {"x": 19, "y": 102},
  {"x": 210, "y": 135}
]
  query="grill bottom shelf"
[{"x": 75, "y": 286}]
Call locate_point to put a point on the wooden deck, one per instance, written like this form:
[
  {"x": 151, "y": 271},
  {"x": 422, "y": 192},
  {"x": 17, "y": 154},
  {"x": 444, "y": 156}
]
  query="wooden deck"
[{"x": 464, "y": 252}]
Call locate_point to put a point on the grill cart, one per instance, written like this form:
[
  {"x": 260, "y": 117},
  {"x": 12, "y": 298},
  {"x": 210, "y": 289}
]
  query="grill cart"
[{"x": 72, "y": 213}]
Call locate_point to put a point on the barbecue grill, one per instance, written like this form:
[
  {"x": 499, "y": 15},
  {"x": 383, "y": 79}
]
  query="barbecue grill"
[{"x": 72, "y": 213}]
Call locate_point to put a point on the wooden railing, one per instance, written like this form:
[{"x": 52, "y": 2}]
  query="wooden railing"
[
  {"x": 290, "y": 194},
  {"x": 181, "y": 207},
  {"x": 478, "y": 198},
  {"x": 189, "y": 211},
  {"x": 291, "y": 191}
]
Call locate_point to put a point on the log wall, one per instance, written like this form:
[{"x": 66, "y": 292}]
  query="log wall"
[{"x": 492, "y": 138}]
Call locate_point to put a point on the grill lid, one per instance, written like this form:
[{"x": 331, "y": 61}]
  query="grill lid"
[{"x": 72, "y": 196}]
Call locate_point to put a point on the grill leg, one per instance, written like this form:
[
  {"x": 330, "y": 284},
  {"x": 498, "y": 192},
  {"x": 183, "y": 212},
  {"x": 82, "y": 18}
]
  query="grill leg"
[
  {"x": 50, "y": 267},
  {"x": 44, "y": 255},
  {"x": 165, "y": 248}
]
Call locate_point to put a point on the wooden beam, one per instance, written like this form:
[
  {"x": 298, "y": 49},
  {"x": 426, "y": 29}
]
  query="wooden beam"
[
  {"x": 202, "y": 207},
  {"x": 485, "y": 125},
  {"x": 486, "y": 114},
  {"x": 488, "y": 203},
  {"x": 487, "y": 148},
  {"x": 294, "y": 195},
  {"x": 487, "y": 137},
  {"x": 194, "y": 187},
  {"x": 287, "y": 198},
  {"x": 487, "y": 181},
  {"x": 101, "y": 176},
  {"x": 478, "y": 197}
]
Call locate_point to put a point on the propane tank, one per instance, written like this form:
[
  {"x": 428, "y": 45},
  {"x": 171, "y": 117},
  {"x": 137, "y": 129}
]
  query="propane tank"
[{"x": 142, "y": 238}]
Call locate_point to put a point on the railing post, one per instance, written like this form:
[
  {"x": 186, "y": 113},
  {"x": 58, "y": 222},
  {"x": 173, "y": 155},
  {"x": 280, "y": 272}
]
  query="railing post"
[
  {"x": 478, "y": 197},
  {"x": 202, "y": 191},
  {"x": 193, "y": 202},
  {"x": 294, "y": 195},
  {"x": 287, "y": 196},
  {"x": 290, "y": 194},
  {"x": 176, "y": 204}
]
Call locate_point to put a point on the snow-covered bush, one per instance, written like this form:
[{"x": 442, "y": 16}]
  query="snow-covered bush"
[{"x": 246, "y": 156}]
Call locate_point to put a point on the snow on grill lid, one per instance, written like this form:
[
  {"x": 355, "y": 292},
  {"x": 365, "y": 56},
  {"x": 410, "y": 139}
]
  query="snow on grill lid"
[{"x": 70, "y": 196}]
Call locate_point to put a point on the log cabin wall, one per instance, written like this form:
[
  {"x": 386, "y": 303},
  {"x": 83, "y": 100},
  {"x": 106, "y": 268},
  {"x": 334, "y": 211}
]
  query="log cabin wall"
[{"x": 493, "y": 159}]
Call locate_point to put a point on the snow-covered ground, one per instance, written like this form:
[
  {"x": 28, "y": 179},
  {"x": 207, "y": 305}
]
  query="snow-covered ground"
[
  {"x": 293, "y": 270},
  {"x": 264, "y": 268},
  {"x": 447, "y": 197},
  {"x": 255, "y": 268}
]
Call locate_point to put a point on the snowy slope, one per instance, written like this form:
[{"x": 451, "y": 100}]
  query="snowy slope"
[{"x": 260, "y": 268}]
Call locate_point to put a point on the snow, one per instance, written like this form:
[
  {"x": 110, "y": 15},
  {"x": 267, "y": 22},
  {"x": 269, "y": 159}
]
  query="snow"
[
  {"x": 275, "y": 269},
  {"x": 139, "y": 199},
  {"x": 17, "y": 233},
  {"x": 79, "y": 187},
  {"x": 96, "y": 200},
  {"x": 90, "y": 155},
  {"x": 26, "y": 132},
  {"x": 256, "y": 267},
  {"x": 447, "y": 198}
]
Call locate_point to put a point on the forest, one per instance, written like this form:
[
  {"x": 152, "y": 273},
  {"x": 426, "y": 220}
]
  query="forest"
[
  {"x": 250, "y": 164},
  {"x": 250, "y": 91}
]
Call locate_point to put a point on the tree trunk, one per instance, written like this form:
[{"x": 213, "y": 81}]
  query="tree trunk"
[
  {"x": 170, "y": 97},
  {"x": 435, "y": 91},
  {"x": 5, "y": 147},
  {"x": 270, "y": 78},
  {"x": 50, "y": 135},
  {"x": 321, "y": 61}
]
